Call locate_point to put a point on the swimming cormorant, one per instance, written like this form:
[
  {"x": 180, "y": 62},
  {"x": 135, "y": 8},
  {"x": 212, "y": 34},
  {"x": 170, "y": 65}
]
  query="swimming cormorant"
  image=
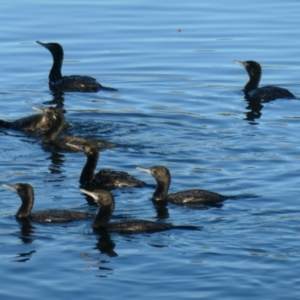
[
  {"x": 26, "y": 193},
  {"x": 58, "y": 121},
  {"x": 73, "y": 83},
  {"x": 106, "y": 178},
  {"x": 107, "y": 205},
  {"x": 188, "y": 197},
  {"x": 266, "y": 93},
  {"x": 33, "y": 123}
]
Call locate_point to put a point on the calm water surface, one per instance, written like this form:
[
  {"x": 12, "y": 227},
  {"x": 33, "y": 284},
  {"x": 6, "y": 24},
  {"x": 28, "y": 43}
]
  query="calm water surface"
[{"x": 179, "y": 104}]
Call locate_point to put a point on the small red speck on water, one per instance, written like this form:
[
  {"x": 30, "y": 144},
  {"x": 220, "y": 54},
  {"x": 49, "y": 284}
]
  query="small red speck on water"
[{"x": 178, "y": 30}]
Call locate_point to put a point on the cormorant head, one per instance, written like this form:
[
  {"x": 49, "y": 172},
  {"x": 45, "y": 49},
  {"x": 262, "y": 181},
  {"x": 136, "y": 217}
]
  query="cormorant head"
[
  {"x": 101, "y": 197},
  {"x": 253, "y": 68},
  {"x": 55, "y": 49}
]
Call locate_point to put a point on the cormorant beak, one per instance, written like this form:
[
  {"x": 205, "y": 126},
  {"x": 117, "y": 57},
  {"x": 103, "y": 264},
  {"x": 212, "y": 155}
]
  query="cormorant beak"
[
  {"x": 43, "y": 111},
  {"x": 42, "y": 44},
  {"x": 241, "y": 63},
  {"x": 39, "y": 109},
  {"x": 91, "y": 194},
  {"x": 75, "y": 146},
  {"x": 12, "y": 187},
  {"x": 147, "y": 170}
]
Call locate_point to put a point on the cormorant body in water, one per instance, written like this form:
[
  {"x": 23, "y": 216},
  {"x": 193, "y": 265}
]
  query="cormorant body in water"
[
  {"x": 33, "y": 123},
  {"x": 266, "y": 93},
  {"x": 107, "y": 205},
  {"x": 26, "y": 193},
  {"x": 58, "y": 121},
  {"x": 106, "y": 178},
  {"x": 73, "y": 83},
  {"x": 188, "y": 197}
]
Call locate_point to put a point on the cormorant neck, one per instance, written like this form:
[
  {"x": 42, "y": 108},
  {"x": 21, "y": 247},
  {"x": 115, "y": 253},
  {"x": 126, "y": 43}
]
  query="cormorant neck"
[
  {"x": 55, "y": 72},
  {"x": 27, "y": 198},
  {"x": 252, "y": 84},
  {"x": 56, "y": 128},
  {"x": 104, "y": 215},
  {"x": 88, "y": 170},
  {"x": 162, "y": 188}
]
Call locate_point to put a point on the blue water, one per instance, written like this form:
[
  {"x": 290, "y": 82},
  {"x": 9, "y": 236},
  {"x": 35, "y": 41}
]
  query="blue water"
[{"x": 180, "y": 105}]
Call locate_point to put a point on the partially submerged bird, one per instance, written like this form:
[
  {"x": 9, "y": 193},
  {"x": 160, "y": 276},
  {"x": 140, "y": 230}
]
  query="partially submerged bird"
[
  {"x": 26, "y": 193},
  {"x": 188, "y": 197},
  {"x": 52, "y": 137},
  {"x": 73, "y": 83},
  {"x": 33, "y": 123},
  {"x": 107, "y": 205},
  {"x": 266, "y": 93},
  {"x": 106, "y": 178}
]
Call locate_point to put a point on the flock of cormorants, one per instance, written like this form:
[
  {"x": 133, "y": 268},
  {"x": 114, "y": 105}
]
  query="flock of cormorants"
[{"x": 51, "y": 122}]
